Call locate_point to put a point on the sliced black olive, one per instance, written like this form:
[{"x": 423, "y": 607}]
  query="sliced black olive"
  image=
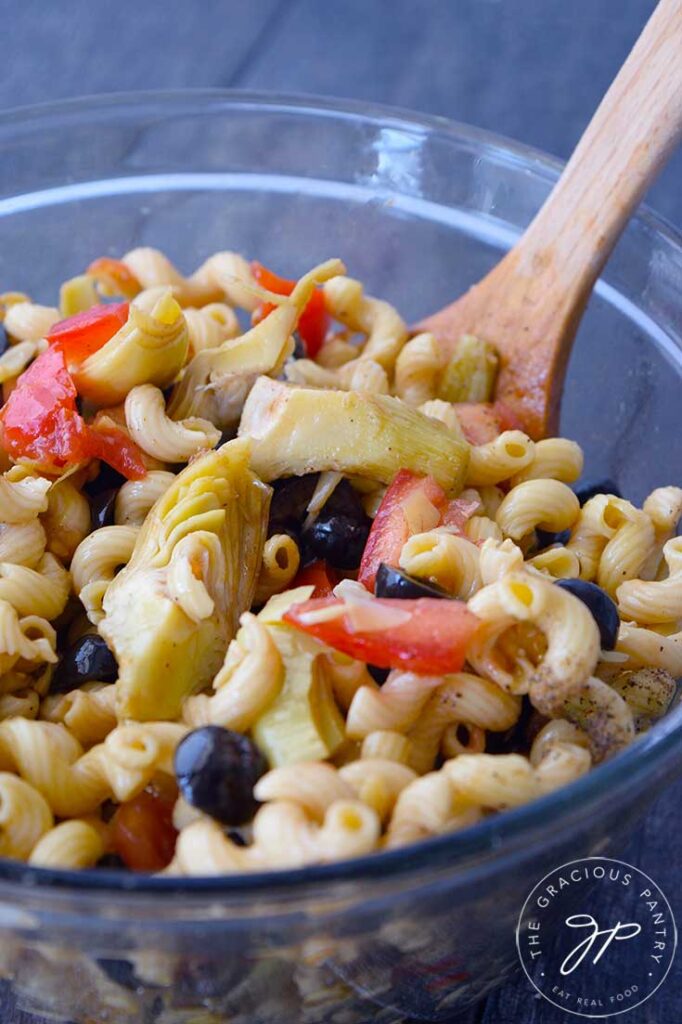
[
  {"x": 88, "y": 660},
  {"x": 4, "y": 340},
  {"x": 379, "y": 675},
  {"x": 216, "y": 770},
  {"x": 392, "y": 582},
  {"x": 545, "y": 539},
  {"x": 112, "y": 862},
  {"x": 102, "y": 508},
  {"x": 591, "y": 488},
  {"x": 337, "y": 539},
  {"x": 603, "y": 609},
  {"x": 289, "y": 504},
  {"x": 339, "y": 533}
]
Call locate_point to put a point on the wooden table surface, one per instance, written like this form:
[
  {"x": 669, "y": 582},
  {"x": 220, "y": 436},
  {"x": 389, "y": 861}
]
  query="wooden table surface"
[{"x": 530, "y": 69}]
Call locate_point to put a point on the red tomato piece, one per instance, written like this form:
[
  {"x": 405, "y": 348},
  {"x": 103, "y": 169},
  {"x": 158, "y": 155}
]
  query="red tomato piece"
[
  {"x": 397, "y": 519},
  {"x": 40, "y": 421},
  {"x": 427, "y": 636},
  {"x": 118, "y": 450},
  {"x": 459, "y": 511},
  {"x": 314, "y": 320},
  {"x": 318, "y": 575},
  {"x": 81, "y": 335},
  {"x": 142, "y": 831},
  {"x": 114, "y": 277}
]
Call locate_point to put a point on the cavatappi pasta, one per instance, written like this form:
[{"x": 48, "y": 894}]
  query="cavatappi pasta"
[{"x": 280, "y": 586}]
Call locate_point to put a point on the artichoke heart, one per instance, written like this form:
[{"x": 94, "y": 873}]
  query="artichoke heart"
[
  {"x": 170, "y": 614},
  {"x": 217, "y": 380},
  {"x": 150, "y": 348},
  {"x": 303, "y": 723},
  {"x": 298, "y": 430}
]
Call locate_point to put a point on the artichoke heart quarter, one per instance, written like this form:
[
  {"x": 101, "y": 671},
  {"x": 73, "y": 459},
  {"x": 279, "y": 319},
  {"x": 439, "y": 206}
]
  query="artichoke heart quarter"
[
  {"x": 150, "y": 348},
  {"x": 170, "y": 614},
  {"x": 297, "y": 430}
]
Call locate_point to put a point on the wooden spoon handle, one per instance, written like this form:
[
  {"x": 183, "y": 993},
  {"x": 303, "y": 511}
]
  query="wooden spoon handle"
[{"x": 636, "y": 126}]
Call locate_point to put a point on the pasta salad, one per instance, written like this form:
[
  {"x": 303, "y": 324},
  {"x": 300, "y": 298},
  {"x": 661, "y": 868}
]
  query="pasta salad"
[{"x": 281, "y": 583}]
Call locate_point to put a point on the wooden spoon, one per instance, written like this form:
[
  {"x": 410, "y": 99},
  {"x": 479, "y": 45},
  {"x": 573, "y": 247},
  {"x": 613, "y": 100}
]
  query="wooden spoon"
[{"x": 530, "y": 304}]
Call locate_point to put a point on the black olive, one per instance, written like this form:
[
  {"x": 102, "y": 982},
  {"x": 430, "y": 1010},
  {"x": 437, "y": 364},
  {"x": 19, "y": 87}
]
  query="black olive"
[
  {"x": 216, "y": 770},
  {"x": 102, "y": 508},
  {"x": 379, "y": 675},
  {"x": 108, "y": 479},
  {"x": 88, "y": 660},
  {"x": 603, "y": 609},
  {"x": 4, "y": 340},
  {"x": 588, "y": 490},
  {"x": 337, "y": 539},
  {"x": 112, "y": 862},
  {"x": 545, "y": 539},
  {"x": 392, "y": 582},
  {"x": 519, "y": 738},
  {"x": 289, "y": 504}
]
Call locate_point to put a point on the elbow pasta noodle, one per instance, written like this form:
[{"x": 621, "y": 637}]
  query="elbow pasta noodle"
[
  {"x": 88, "y": 713},
  {"x": 416, "y": 370},
  {"x": 385, "y": 330},
  {"x": 500, "y": 459},
  {"x": 444, "y": 558},
  {"x": 136, "y": 497},
  {"x": 67, "y": 519},
  {"x": 394, "y": 707},
  {"x": 14, "y": 361},
  {"x": 246, "y": 685},
  {"x": 547, "y": 504},
  {"x": 71, "y": 844},
  {"x": 22, "y": 498},
  {"x": 655, "y": 601},
  {"x": 570, "y": 632},
  {"x": 96, "y": 561},
  {"x": 555, "y": 458},
  {"x": 281, "y": 560},
  {"x": 210, "y": 326},
  {"x": 25, "y": 817},
  {"x": 158, "y": 435},
  {"x": 129, "y": 580},
  {"x": 29, "y": 321}
]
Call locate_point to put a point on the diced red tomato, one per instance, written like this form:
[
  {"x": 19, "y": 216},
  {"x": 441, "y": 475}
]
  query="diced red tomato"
[
  {"x": 118, "y": 450},
  {"x": 459, "y": 511},
  {"x": 114, "y": 277},
  {"x": 142, "y": 831},
  {"x": 398, "y": 518},
  {"x": 429, "y": 637},
  {"x": 318, "y": 575},
  {"x": 40, "y": 421},
  {"x": 314, "y": 320},
  {"x": 81, "y": 335}
]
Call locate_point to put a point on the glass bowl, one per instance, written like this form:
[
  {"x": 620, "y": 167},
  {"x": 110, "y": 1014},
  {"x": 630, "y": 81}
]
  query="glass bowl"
[{"x": 419, "y": 208}]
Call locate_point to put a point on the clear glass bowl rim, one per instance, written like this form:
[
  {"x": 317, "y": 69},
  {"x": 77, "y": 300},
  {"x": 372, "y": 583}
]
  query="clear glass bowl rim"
[{"x": 497, "y": 836}]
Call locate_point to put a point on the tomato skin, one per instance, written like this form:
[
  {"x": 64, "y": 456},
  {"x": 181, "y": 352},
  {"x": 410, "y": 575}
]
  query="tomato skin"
[
  {"x": 81, "y": 335},
  {"x": 118, "y": 450},
  {"x": 458, "y": 513},
  {"x": 433, "y": 642},
  {"x": 142, "y": 831},
  {"x": 390, "y": 529},
  {"x": 40, "y": 421},
  {"x": 114, "y": 277},
  {"x": 314, "y": 320},
  {"x": 318, "y": 575}
]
